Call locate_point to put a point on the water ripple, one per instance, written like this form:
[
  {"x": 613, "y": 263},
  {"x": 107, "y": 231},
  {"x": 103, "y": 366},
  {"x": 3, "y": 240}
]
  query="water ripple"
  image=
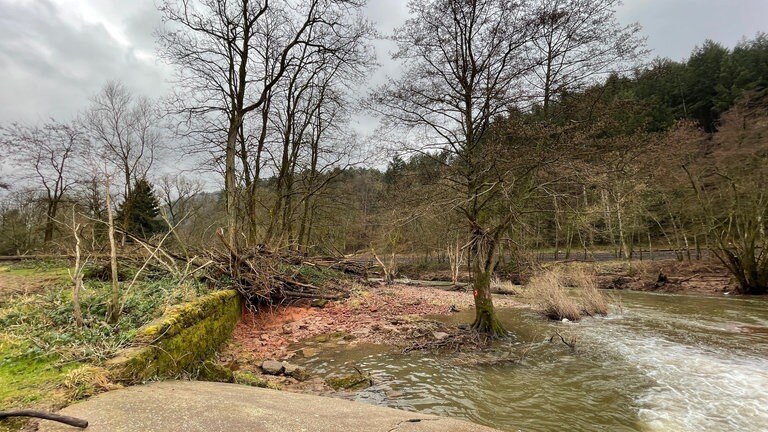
[{"x": 663, "y": 365}]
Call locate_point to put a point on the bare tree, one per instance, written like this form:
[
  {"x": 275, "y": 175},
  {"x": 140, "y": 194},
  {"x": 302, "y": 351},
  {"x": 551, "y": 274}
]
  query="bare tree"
[
  {"x": 76, "y": 273},
  {"x": 310, "y": 115},
  {"x": 455, "y": 259},
  {"x": 230, "y": 55},
  {"x": 177, "y": 194},
  {"x": 20, "y": 217},
  {"x": 126, "y": 130},
  {"x": 578, "y": 41},
  {"x": 113, "y": 307},
  {"x": 328, "y": 151},
  {"x": 463, "y": 62},
  {"x": 729, "y": 184},
  {"x": 48, "y": 154}
]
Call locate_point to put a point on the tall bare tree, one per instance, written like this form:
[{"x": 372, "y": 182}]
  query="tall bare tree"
[
  {"x": 309, "y": 116},
  {"x": 229, "y": 57},
  {"x": 20, "y": 216},
  {"x": 177, "y": 194},
  {"x": 577, "y": 42},
  {"x": 48, "y": 154},
  {"x": 463, "y": 62},
  {"x": 125, "y": 129}
]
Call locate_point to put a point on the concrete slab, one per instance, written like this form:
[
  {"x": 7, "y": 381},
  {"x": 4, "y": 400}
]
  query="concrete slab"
[{"x": 190, "y": 406}]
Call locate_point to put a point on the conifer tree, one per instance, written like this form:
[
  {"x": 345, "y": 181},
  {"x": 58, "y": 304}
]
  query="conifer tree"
[{"x": 140, "y": 210}]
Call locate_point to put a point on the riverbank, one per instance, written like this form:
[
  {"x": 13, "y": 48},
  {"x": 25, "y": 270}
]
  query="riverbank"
[
  {"x": 705, "y": 276},
  {"x": 697, "y": 277},
  {"x": 397, "y": 317},
  {"x": 375, "y": 318}
]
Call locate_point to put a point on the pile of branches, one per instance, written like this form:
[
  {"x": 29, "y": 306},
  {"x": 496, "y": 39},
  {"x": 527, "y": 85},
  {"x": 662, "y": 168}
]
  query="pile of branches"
[
  {"x": 350, "y": 266},
  {"x": 264, "y": 276}
]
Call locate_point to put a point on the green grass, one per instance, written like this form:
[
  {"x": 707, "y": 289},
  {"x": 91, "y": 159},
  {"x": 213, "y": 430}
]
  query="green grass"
[
  {"x": 29, "y": 376},
  {"x": 36, "y": 269},
  {"x": 40, "y": 342},
  {"x": 48, "y": 317}
]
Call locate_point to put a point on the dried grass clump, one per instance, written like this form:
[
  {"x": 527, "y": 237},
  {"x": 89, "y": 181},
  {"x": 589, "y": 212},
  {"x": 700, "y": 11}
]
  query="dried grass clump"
[
  {"x": 504, "y": 286},
  {"x": 592, "y": 301},
  {"x": 549, "y": 291},
  {"x": 88, "y": 381}
]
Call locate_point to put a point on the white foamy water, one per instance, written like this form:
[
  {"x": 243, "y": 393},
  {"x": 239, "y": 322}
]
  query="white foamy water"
[
  {"x": 703, "y": 382},
  {"x": 668, "y": 363}
]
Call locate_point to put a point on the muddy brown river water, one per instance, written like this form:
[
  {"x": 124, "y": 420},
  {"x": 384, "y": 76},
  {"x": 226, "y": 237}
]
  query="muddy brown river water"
[{"x": 661, "y": 363}]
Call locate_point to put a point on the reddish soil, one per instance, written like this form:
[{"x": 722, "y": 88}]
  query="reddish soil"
[{"x": 381, "y": 314}]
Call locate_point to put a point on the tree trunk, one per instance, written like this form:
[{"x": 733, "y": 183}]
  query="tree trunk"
[
  {"x": 77, "y": 275},
  {"x": 388, "y": 271},
  {"x": 113, "y": 311},
  {"x": 128, "y": 190},
  {"x": 49, "y": 222},
  {"x": 557, "y": 230},
  {"x": 302, "y": 243},
  {"x": 622, "y": 235},
  {"x": 486, "y": 320},
  {"x": 230, "y": 186},
  {"x": 484, "y": 248}
]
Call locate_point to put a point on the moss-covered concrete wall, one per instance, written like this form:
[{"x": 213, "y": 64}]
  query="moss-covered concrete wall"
[{"x": 180, "y": 340}]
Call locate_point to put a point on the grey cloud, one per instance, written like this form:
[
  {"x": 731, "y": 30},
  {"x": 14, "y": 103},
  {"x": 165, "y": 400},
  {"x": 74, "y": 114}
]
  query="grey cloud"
[
  {"x": 51, "y": 67},
  {"x": 675, "y": 28},
  {"x": 141, "y": 25}
]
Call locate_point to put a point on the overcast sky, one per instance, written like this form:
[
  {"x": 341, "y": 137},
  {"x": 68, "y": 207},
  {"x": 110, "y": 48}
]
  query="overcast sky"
[{"x": 55, "y": 54}]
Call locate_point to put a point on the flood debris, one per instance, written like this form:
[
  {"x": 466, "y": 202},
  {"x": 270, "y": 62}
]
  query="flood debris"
[{"x": 264, "y": 276}]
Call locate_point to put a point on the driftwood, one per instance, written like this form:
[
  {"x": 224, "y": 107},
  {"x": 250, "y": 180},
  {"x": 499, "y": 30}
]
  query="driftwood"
[
  {"x": 71, "y": 421},
  {"x": 571, "y": 344}
]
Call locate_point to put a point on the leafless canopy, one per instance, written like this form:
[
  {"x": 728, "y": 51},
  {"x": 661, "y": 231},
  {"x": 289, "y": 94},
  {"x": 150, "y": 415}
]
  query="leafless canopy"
[
  {"x": 238, "y": 59},
  {"x": 47, "y": 154},
  {"x": 577, "y": 41},
  {"x": 125, "y": 129}
]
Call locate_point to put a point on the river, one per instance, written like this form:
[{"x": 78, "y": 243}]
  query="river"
[{"x": 657, "y": 363}]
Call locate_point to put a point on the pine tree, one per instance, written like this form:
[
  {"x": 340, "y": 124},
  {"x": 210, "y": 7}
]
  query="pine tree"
[
  {"x": 703, "y": 79},
  {"x": 140, "y": 210}
]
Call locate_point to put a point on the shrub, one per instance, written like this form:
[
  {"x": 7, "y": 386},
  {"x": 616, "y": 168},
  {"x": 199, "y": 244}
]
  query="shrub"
[
  {"x": 549, "y": 292},
  {"x": 504, "y": 286},
  {"x": 591, "y": 300}
]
